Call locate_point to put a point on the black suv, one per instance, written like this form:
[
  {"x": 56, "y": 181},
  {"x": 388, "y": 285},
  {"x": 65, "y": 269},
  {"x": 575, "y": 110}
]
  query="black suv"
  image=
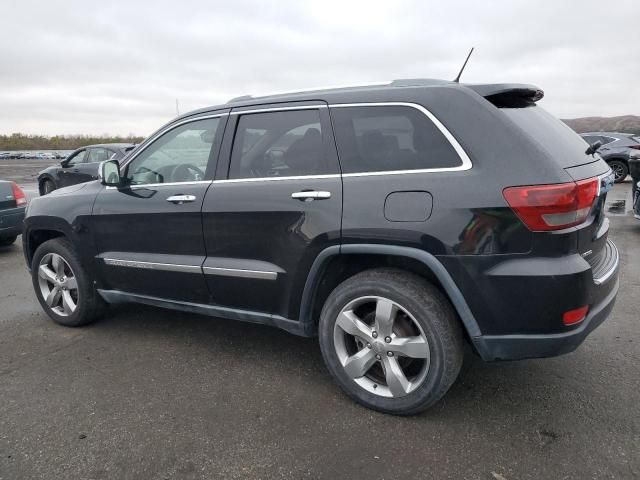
[{"x": 395, "y": 222}]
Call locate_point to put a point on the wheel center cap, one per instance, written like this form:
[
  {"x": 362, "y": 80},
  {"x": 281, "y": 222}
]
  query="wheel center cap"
[{"x": 379, "y": 347}]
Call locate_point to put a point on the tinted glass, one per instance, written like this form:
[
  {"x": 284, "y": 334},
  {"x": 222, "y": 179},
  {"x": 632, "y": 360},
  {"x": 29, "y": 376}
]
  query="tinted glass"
[
  {"x": 278, "y": 144},
  {"x": 606, "y": 140},
  {"x": 97, "y": 155},
  {"x": 375, "y": 139},
  {"x": 180, "y": 155},
  {"x": 77, "y": 158},
  {"x": 555, "y": 136},
  {"x": 590, "y": 139}
]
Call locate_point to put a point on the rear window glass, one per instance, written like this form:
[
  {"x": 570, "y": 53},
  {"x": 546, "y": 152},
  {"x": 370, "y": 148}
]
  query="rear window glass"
[
  {"x": 387, "y": 138},
  {"x": 557, "y": 138}
]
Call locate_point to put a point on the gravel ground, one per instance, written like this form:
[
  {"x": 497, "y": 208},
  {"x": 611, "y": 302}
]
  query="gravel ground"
[{"x": 153, "y": 394}]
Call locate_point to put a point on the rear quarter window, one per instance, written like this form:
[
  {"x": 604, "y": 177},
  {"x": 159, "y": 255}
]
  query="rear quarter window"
[{"x": 389, "y": 138}]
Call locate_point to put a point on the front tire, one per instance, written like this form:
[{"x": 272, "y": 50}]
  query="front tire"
[
  {"x": 620, "y": 170},
  {"x": 47, "y": 187},
  {"x": 62, "y": 285},
  {"x": 391, "y": 340}
]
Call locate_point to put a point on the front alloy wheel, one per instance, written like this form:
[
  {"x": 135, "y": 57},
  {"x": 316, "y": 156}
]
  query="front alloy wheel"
[{"x": 58, "y": 284}]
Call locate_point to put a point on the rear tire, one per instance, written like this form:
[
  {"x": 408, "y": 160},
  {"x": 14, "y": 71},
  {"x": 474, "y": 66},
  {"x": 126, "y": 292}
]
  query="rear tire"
[
  {"x": 402, "y": 366},
  {"x": 62, "y": 285},
  {"x": 620, "y": 170},
  {"x": 5, "y": 242}
]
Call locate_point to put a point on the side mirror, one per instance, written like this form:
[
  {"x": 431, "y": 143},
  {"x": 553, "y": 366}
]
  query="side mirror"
[{"x": 109, "y": 173}]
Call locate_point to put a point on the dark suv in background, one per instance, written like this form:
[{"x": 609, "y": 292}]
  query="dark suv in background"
[
  {"x": 80, "y": 166},
  {"x": 395, "y": 222},
  {"x": 616, "y": 150}
]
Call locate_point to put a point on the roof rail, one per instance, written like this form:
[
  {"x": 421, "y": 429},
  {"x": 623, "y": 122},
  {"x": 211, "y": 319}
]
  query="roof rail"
[{"x": 241, "y": 98}]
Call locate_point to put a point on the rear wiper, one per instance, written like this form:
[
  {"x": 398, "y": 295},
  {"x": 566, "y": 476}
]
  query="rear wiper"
[{"x": 593, "y": 148}]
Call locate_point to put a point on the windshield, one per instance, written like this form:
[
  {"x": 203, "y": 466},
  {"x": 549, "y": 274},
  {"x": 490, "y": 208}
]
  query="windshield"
[{"x": 565, "y": 145}]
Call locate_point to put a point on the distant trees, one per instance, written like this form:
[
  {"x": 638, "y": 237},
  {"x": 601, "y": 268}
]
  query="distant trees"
[{"x": 20, "y": 141}]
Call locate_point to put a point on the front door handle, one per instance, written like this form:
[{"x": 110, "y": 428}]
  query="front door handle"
[
  {"x": 180, "y": 199},
  {"x": 310, "y": 195}
]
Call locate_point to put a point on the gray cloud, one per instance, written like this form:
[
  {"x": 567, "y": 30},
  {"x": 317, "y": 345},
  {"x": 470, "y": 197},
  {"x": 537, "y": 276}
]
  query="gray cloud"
[{"x": 117, "y": 67}]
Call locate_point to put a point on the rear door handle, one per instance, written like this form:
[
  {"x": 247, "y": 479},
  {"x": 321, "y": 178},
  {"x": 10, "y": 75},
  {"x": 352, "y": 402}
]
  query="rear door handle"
[
  {"x": 180, "y": 199},
  {"x": 310, "y": 195}
]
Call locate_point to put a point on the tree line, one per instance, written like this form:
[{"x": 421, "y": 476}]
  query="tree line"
[{"x": 20, "y": 141}]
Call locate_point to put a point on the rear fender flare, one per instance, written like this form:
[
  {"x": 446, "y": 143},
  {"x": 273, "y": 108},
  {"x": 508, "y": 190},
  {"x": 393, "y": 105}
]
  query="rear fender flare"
[{"x": 430, "y": 261}]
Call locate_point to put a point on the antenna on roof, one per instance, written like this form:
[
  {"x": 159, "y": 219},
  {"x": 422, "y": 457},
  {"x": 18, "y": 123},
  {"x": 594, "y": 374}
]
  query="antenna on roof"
[{"x": 457, "y": 79}]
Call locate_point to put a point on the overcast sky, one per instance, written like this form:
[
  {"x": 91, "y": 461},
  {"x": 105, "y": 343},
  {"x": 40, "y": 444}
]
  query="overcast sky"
[{"x": 117, "y": 67}]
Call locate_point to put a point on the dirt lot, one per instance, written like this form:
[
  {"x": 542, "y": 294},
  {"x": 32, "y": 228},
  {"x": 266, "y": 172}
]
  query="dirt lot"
[{"x": 148, "y": 393}]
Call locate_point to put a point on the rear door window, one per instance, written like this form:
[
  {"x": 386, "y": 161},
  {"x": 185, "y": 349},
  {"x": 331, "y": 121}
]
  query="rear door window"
[
  {"x": 278, "y": 144},
  {"x": 389, "y": 138},
  {"x": 97, "y": 155}
]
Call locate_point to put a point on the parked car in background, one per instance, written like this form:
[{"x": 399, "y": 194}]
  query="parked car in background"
[
  {"x": 12, "y": 207},
  {"x": 384, "y": 220},
  {"x": 634, "y": 171},
  {"x": 80, "y": 166},
  {"x": 615, "y": 150}
]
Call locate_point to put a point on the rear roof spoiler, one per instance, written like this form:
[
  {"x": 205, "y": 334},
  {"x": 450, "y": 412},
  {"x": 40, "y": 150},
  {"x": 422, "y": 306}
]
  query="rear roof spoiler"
[{"x": 508, "y": 94}]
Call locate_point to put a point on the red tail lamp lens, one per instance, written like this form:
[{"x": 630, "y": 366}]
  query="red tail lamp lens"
[
  {"x": 18, "y": 195},
  {"x": 552, "y": 207}
]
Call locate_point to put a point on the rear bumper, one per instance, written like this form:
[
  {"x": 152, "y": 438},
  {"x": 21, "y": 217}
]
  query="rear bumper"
[
  {"x": 603, "y": 294},
  {"x": 11, "y": 222},
  {"x": 518, "y": 347}
]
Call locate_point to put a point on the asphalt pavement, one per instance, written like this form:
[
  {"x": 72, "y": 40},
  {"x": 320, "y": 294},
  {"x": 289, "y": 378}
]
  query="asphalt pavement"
[{"x": 154, "y": 394}]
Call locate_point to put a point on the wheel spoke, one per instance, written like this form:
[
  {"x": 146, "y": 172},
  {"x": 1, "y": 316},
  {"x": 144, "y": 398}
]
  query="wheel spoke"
[
  {"x": 414, "y": 347},
  {"x": 54, "y": 296},
  {"x": 351, "y": 324},
  {"x": 385, "y": 316},
  {"x": 46, "y": 273},
  {"x": 71, "y": 283},
  {"x": 68, "y": 304},
  {"x": 358, "y": 365},
  {"x": 396, "y": 379},
  {"x": 58, "y": 264}
]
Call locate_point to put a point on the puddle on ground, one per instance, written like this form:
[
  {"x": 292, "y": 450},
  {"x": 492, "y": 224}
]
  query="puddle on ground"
[{"x": 617, "y": 207}]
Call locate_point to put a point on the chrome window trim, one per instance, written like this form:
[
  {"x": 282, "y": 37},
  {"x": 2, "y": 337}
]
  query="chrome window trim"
[
  {"x": 169, "y": 267},
  {"x": 270, "y": 179},
  {"x": 241, "y": 273},
  {"x": 277, "y": 109},
  {"x": 169, "y": 184},
  {"x": 167, "y": 129},
  {"x": 466, "y": 161}
]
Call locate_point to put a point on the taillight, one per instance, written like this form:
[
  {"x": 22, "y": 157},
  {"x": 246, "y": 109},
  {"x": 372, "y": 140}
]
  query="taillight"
[
  {"x": 18, "y": 195},
  {"x": 552, "y": 207}
]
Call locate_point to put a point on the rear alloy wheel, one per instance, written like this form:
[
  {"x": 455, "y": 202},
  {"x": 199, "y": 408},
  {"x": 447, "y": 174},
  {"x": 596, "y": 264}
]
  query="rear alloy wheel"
[
  {"x": 63, "y": 288},
  {"x": 620, "y": 170},
  {"x": 391, "y": 340}
]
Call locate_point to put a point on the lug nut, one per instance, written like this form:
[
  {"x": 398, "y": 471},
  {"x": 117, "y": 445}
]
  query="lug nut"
[
  {"x": 378, "y": 357},
  {"x": 368, "y": 345},
  {"x": 374, "y": 334},
  {"x": 389, "y": 354},
  {"x": 387, "y": 339}
]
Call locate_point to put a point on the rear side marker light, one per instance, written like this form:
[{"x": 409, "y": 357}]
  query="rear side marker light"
[
  {"x": 18, "y": 195},
  {"x": 552, "y": 207},
  {"x": 573, "y": 317}
]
